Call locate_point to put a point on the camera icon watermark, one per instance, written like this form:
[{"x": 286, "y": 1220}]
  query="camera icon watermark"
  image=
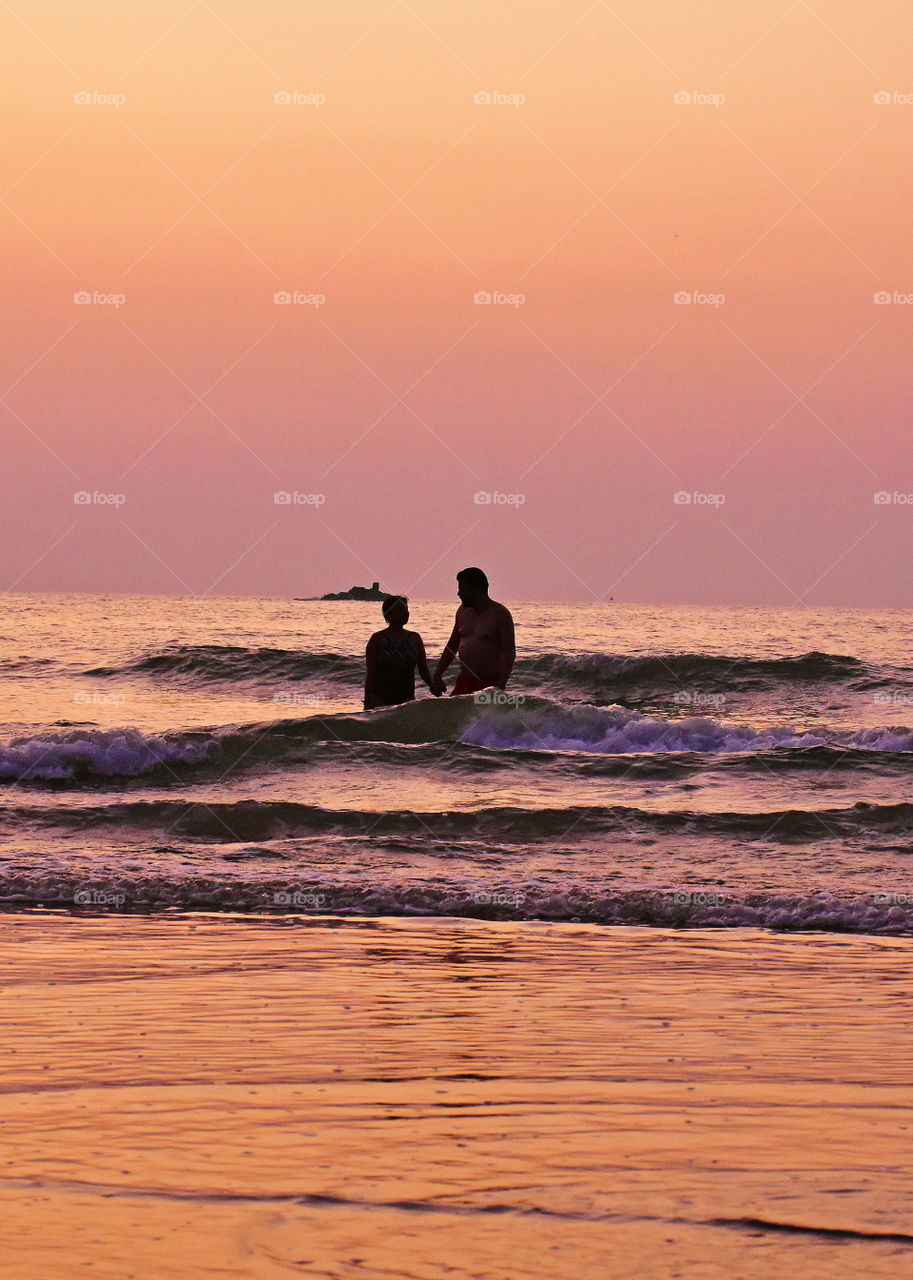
[
  {"x": 85, "y": 298},
  {"x": 684, "y": 498},
  {"x": 95, "y": 698},
  {"x": 893, "y": 899},
  {"x": 495, "y": 98},
  {"x": 699, "y": 898},
  {"x": 498, "y": 698},
  {"x": 297, "y": 298},
  {"x": 888, "y": 298},
  {"x": 297, "y": 98},
  {"x": 698, "y": 698},
  {"x": 892, "y": 698},
  {"x": 884, "y": 98},
  {"x": 494, "y": 498},
  {"x": 694, "y": 98},
  {"x": 304, "y": 899},
  {"x": 499, "y": 898},
  {"x": 85, "y": 499},
  {"x": 695, "y": 298},
  {"x": 98, "y": 898},
  {"x": 294, "y": 498},
  {"x": 885, "y": 499},
  {"x": 93, "y": 98},
  {"x": 497, "y": 298},
  {"x": 295, "y": 698}
]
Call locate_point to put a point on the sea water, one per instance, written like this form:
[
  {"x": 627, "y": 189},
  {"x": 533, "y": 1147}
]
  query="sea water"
[{"x": 655, "y": 765}]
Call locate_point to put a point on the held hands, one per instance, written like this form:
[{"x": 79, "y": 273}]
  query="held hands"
[{"x": 437, "y": 686}]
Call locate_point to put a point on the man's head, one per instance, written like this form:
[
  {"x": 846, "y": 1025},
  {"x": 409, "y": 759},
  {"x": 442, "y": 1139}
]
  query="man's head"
[
  {"x": 472, "y": 587},
  {"x": 396, "y": 610}
]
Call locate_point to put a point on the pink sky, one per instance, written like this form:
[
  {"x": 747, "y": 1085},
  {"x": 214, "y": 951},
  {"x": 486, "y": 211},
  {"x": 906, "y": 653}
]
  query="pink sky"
[{"x": 782, "y": 187}]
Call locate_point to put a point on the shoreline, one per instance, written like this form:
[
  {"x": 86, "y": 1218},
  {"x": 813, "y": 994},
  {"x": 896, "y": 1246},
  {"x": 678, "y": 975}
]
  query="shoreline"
[
  {"x": 872, "y": 914},
  {"x": 260, "y": 1096}
]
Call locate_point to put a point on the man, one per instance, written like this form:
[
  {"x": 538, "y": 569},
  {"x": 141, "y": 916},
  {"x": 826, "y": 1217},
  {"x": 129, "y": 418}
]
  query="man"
[{"x": 482, "y": 636}]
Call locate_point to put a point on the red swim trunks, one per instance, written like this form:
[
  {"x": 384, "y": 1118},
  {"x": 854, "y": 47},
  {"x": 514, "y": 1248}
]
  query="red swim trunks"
[{"x": 466, "y": 683}]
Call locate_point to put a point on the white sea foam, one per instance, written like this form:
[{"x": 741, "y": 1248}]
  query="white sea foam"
[
  {"x": 537, "y": 725},
  {"x": 115, "y": 752},
  {"x": 507, "y": 899},
  {"x": 618, "y": 731}
]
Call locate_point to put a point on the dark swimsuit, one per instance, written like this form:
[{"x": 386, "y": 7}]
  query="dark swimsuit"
[{"x": 394, "y": 674}]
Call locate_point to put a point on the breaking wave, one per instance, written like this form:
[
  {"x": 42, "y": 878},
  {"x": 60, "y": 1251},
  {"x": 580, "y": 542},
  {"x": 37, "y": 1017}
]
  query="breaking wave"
[
  {"x": 213, "y": 662},
  {"x": 527, "y": 724},
  {"x": 658, "y": 908},
  {"x": 599, "y": 672},
  {"x": 594, "y": 672},
  {"x": 244, "y": 821}
]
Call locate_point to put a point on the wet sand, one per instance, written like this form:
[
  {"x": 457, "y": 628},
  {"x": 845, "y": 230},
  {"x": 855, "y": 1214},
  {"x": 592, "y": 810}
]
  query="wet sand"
[{"x": 228, "y": 1097}]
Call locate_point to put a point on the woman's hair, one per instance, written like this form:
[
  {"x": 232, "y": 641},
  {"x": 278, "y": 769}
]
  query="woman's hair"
[{"x": 390, "y": 603}]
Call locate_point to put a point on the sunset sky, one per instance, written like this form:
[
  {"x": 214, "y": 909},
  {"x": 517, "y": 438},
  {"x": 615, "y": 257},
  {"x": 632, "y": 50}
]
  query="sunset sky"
[{"x": 582, "y": 164}]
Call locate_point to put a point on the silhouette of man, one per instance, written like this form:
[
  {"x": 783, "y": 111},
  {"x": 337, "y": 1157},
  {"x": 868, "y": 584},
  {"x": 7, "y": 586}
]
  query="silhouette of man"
[{"x": 482, "y": 637}]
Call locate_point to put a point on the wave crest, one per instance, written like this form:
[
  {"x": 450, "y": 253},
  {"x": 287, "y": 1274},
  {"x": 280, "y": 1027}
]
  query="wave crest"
[
  {"x": 264, "y": 821},
  {"x": 214, "y": 662},
  {"x": 620, "y": 672},
  {"x": 533, "y": 725},
  {"x": 619, "y": 731},
  {"x": 587, "y": 671},
  {"x": 117, "y": 752},
  {"x": 883, "y": 914}
]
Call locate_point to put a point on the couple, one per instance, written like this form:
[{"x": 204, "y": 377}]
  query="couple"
[{"x": 482, "y": 636}]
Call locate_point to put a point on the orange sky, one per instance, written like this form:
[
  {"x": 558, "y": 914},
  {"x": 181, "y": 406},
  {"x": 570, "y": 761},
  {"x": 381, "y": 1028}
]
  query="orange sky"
[{"x": 386, "y": 199}]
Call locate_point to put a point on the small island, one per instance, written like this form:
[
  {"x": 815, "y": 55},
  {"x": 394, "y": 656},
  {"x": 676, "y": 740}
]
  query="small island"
[{"x": 358, "y": 593}]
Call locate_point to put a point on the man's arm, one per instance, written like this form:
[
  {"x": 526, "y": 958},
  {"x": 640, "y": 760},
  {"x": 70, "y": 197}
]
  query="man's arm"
[
  {"x": 370, "y": 669},
  {"x": 451, "y": 649},
  {"x": 507, "y": 647}
]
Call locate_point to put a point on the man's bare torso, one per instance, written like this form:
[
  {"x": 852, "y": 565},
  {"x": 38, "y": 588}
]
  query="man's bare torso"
[{"x": 481, "y": 650}]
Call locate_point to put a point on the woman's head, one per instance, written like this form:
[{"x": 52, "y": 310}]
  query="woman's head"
[{"x": 396, "y": 610}]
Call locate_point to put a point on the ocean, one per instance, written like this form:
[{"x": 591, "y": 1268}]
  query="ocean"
[{"x": 666, "y": 766}]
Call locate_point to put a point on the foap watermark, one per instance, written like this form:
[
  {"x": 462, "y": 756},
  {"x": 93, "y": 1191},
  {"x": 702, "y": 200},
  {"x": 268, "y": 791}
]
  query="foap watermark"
[
  {"x": 684, "y": 498},
  {"x": 95, "y": 698},
  {"x": 892, "y": 698},
  {"x": 94, "y": 98},
  {"x": 85, "y": 499},
  {"x": 85, "y": 298},
  {"x": 497, "y": 98},
  {"x": 499, "y": 898},
  {"x": 295, "y": 698},
  {"x": 695, "y": 98},
  {"x": 92, "y": 897},
  {"x": 695, "y": 298},
  {"x": 698, "y": 698},
  {"x": 495, "y": 498},
  {"x": 498, "y": 698},
  {"x": 895, "y": 499},
  {"x": 298, "y": 98},
  {"x": 893, "y": 899},
  {"x": 298, "y": 298},
  {"x": 697, "y": 898},
  {"x": 892, "y": 98},
  {"x": 496, "y": 298},
  {"x": 304, "y": 898},
  {"x": 294, "y": 498},
  {"x": 894, "y": 297}
]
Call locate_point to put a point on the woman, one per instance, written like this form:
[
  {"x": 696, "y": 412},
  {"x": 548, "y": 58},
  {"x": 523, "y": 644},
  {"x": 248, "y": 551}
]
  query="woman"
[{"x": 391, "y": 658}]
